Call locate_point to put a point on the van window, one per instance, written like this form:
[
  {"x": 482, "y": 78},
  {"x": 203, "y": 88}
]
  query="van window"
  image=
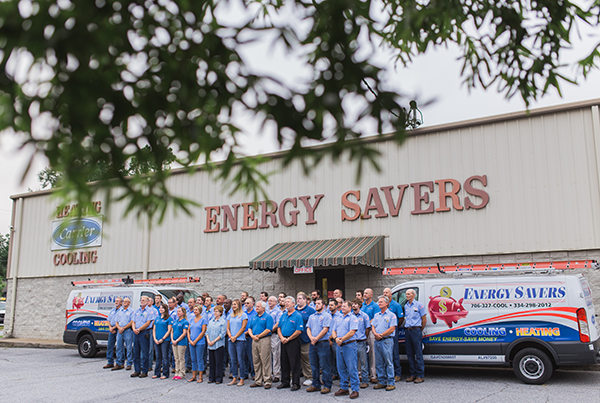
[
  {"x": 400, "y": 295},
  {"x": 149, "y": 295},
  {"x": 187, "y": 294}
]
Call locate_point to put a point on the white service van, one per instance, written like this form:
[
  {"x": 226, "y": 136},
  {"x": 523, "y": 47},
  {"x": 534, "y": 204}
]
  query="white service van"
[
  {"x": 535, "y": 323},
  {"x": 88, "y": 308}
]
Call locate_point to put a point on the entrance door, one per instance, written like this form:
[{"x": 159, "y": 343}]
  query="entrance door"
[{"x": 327, "y": 280}]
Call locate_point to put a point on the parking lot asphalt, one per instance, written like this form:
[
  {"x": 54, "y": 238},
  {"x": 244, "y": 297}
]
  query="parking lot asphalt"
[{"x": 53, "y": 375}]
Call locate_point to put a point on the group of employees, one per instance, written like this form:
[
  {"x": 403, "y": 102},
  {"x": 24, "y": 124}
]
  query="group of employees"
[{"x": 275, "y": 339}]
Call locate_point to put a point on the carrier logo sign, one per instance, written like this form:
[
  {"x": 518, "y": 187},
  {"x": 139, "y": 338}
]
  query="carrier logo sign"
[{"x": 76, "y": 233}]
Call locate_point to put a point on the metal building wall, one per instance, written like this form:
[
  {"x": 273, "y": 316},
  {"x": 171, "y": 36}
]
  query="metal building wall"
[{"x": 543, "y": 183}]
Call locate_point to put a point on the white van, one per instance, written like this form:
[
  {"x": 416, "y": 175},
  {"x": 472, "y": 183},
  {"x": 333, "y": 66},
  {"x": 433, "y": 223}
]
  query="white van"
[
  {"x": 87, "y": 309},
  {"x": 535, "y": 323}
]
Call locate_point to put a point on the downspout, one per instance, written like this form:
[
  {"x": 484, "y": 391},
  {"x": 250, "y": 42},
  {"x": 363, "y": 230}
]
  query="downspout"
[{"x": 14, "y": 250}]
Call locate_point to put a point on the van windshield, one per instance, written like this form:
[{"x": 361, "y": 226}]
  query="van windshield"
[{"x": 187, "y": 294}]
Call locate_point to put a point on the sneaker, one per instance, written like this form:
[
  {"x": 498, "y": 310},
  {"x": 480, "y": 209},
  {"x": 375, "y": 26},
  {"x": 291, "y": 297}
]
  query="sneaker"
[
  {"x": 307, "y": 382},
  {"x": 364, "y": 385},
  {"x": 411, "y": 378},
  {"x": 379, "y": 386},
  {"x": 419, "y": 380},
  {"x": 390, "y": 387},
  {"x": 313, "y": 389},
  {"x": 325, "y": 391}
]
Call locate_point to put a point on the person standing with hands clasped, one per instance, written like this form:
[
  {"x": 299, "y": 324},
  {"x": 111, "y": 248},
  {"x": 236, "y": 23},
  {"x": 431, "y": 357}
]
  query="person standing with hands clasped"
[
  {"x": 163, "y": 326},
  {"x": 415, "y": 319},
  {"x": 236, "y": 326},
  {"x": 215, "y": 338},
  {"x": 344, "y": 334},
  {"x": 112, "y": 333},
  {"x": 179, "y": 342},
  {"x": 259, "y": 330},
  {"x": 290, "y": 328},
  {"x": 197, "y": 343},
  {"x": 383, "y": 327}
]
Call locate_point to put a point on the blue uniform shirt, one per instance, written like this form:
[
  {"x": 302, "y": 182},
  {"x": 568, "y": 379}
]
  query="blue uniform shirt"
[
  {"x": 370, "y": 309},
  {"x": 396, "y": 309},
  {"x": 251, "y": 315},
  {"x": 196, "y": 328},
  {"x": 178, "y": 327},
  {"x": 173, "y": 314},
  {"x": 235, "y": 324},
  {"x": 306, "y": 312},
  {"x": 112, "y": 316},
  {"x": 364, "y": 323},
  {"x": 275, "y": 313},
  {"x": 124, "y": 316},
  {"x": 383, "y": 321},
  {"x": 259, "y": 323},
  {"x": 344, "y": 324},
  {"x": 290, "y": 323},
  {"x": 162, "y": 326},
  {"x": 141, "y": 316},
  {"x": 317, "y": 322},
  {"x": 413, "y": 313}
]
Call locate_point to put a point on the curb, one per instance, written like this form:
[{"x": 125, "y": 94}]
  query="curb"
[{"x": 15, "y": 343}]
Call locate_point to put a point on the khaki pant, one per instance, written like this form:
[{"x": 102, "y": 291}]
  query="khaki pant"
[
  {"x": 276, "y": 353},
  {"x": 305, "y": 361},
  {"x": 179, "y": 355},
  {"x": 261, "y": 356},
  {"x": 372, "y": 369}
]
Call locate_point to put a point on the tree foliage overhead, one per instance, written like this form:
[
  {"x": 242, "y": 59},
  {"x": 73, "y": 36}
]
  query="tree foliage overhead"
[{"x": 112, "y": 77}]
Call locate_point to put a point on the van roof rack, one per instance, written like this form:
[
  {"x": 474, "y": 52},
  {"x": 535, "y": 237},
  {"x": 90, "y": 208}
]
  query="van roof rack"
[
  {"x": 530, "y": 267},
  {"x": 129, "y": 281}
]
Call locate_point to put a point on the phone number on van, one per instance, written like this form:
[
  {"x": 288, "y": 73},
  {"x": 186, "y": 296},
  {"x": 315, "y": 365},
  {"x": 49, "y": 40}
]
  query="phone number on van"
[{"x": 513, "y": 305}]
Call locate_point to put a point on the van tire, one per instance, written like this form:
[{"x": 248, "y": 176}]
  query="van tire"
[
  {"x": 87, "y": 346},
  {"x": 532, "y": 366}
]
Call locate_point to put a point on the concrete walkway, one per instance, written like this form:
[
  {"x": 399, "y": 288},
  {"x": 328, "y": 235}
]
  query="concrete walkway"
[{"x": 34, "y": 343}]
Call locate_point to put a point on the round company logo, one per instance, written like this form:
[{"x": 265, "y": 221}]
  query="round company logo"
[{"x": 77, "y": 233}]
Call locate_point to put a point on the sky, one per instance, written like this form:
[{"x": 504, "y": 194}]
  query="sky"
[{"x": 433, "y": 76}]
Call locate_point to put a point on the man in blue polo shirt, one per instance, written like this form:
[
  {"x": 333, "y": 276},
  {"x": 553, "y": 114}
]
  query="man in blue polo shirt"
[
  {"x": 370, "y": 307},
  {"x": 384, "y": 327},
  {"x": 290, "y": 328},
  {"x": 306, "y": 311},
  {"x": 415, "y": 318},
  {"x": 124, "y": 336},
  {"x": 142, "y": 320},
  {"x": 251, "y": 312},
  {"x": 344, "y": 334},
  {"x": 317, "y": 329},
  {"x": 259, "y": 330},
  {"x": 364, "y": 327},
  {"x": 112, "y": 333},
  {"x": 397, "y": 310}
]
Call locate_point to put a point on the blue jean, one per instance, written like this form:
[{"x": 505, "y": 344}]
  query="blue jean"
[
  {"x": 347, "y": 366},
  {"x": 197, "y": 355},
  {"x": 384, "y": 361},
  {"x": 110, "y": 347},
  {"x": 237, "y": 353},
  {"x": 319, "y": 355},
  {"x": 333, "y": 355},
  {"x": 361, "y": 352},
  {"x": 414, "y": 352},
  {"x": 226, "y": 360},
  {"x": 125, "y": 343},
  {"x": 188, "y": 358},
  {"x": 397, "y": 365},
  {"x": 161, "y": 352},
  {"x": 248, "y": 357},
  {"x": 141, "y": 343}
]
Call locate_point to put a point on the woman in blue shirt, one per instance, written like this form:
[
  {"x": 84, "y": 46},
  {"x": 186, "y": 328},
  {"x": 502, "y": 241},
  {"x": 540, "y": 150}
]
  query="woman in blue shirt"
[
  {"x": 215, "y": 338},
  {"x": 179, "y": 341},
  {"x": 236, "y": 326},
  {"x": 197, "y": 343},
  {"x": 161, "y": 333}
]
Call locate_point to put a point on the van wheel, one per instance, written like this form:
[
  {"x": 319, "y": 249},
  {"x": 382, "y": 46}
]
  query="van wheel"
[
  {"x": 533, "y": 366},
  {"x": 87, "y": 346}
]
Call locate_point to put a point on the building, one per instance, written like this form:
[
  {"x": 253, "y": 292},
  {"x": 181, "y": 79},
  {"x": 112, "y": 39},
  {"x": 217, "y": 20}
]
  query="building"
[{"x": 509, "y": 188}]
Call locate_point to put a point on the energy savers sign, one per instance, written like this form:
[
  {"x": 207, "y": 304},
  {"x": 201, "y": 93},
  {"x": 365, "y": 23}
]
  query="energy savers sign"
[{"x": 76, "y": 233}]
